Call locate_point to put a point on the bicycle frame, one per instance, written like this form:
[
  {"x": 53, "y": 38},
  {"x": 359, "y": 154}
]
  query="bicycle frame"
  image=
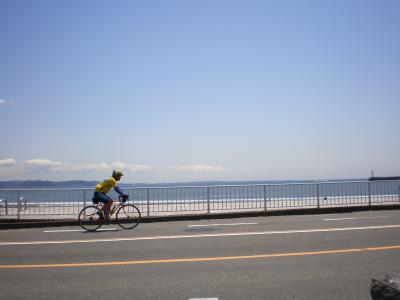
[{"x": 114, "y": 207}]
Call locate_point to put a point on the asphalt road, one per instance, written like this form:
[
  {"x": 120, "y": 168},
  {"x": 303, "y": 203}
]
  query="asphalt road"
[{"x": 331, "y": 256}]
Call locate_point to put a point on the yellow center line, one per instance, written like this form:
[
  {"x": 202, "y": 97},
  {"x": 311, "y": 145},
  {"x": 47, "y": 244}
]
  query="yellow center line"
[{"x": 200, "y": 259}]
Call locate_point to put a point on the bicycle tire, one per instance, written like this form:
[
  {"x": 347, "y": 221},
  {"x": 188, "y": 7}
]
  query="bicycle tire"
[
  {"x": 89, "y": 218},
  {"x": 128, "y": 216}
]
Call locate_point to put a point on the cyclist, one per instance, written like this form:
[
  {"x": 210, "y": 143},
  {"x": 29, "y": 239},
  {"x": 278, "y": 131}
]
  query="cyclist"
[{"x": 102, "y": 188}]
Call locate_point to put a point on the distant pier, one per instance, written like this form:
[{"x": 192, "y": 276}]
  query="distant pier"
[{"x": 384, "y": 178}]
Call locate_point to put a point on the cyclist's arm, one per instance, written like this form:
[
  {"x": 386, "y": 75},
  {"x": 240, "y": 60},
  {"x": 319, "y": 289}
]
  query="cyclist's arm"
[{"x": 119, "y": 191}]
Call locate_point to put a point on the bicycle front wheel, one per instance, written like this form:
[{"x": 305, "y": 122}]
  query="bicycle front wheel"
[
  {"x": 90, "y": 218},
  {"x": 128, "y": 216}
]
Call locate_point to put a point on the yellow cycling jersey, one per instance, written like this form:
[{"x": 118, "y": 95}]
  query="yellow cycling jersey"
[{"x": 106, "y": 185}]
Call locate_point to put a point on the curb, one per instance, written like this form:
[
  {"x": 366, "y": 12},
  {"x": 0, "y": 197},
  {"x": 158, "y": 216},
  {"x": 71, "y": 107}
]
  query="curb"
[{"x": 15, "y": 224}]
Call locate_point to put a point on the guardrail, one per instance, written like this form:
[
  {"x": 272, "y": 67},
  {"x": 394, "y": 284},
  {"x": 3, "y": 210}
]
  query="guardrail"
[{"x": 156, "y": 201}]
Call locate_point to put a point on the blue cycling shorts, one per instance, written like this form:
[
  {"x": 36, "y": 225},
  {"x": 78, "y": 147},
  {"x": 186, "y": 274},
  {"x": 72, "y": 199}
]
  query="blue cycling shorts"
[{"x": 100, "y": 197}]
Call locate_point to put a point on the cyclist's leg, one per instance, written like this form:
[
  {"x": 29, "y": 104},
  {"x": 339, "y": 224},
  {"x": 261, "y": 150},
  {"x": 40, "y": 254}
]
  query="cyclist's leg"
[{"x": 106, "y": 200}]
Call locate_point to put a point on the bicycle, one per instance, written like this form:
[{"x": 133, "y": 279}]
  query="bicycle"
[{"x": 127, "y": 215}]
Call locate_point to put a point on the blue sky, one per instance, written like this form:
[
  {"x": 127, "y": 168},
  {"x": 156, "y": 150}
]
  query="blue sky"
[{"x": 173, "y": 91}]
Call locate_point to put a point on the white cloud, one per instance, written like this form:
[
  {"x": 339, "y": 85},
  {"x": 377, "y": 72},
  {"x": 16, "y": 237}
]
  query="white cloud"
[
  {"x": 57, "y": 166},
  {"x": 61, "y": 167},
  {"x": 5, "y": 102},
  {"x": 46, "y": 168},
  {"x": 198, "y": 168},
  {"x": 67, "y": 167},
  {"x": 7, "y": 162},
  {"x": 118, "y": 165},
  {"x": 43, "y": 163},
  {"x": 93, "y": 167},
  {"x": 131, "y": 167}
]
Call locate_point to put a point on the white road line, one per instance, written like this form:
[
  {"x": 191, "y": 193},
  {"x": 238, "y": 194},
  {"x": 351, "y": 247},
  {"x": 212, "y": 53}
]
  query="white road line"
[
  {"x": 79, "y": 230},
  {"x": 227, "y": 224},
  {"x": 216, "y": 235},
  {"x": 338, "y": 219}
]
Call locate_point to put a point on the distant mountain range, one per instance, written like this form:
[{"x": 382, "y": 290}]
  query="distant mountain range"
[{"x": 36, "y": 184}]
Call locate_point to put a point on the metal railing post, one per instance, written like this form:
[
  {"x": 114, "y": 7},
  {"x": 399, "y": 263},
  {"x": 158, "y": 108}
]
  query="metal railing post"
[
  {"x": 265, "y": 198},
  {"x": 369, "y": 193},
  {"x": 398, "y": 195},
  {"x": 6, "y": 206},
  {"x": 84, "y": 198},
  {"x": 148, "y": 202},
  {"x": 318, "y": 202},
  {"x": 18, "y": 206},
  {"x": 208, "y": 200}
]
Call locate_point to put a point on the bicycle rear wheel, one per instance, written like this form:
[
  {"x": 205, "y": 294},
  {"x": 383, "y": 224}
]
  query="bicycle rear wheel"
[
  {"x": 128, "y": 216},
  {"x": 89, "y": 218}
]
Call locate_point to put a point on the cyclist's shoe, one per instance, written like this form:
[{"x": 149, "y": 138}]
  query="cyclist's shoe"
[
  {"x": 101, "y": 216},
  {"x": 107, "y": 221}
]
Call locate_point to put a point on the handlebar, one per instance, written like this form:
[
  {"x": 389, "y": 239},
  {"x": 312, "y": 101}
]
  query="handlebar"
[{"x": 123, "y": 198}]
